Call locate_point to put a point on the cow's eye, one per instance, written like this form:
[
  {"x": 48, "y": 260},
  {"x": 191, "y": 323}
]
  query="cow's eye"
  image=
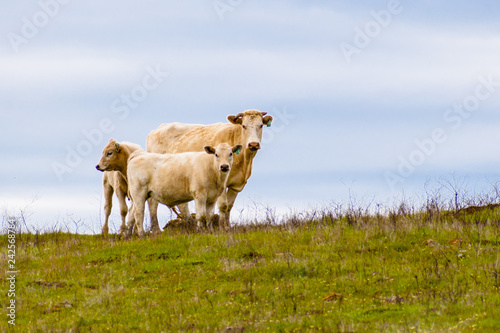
[
  {"x": 216, "y": 155},
  {"x": 244, "y": 127},
  {"x": 261, "y": 126},
  {"x": 109, "y": 153},
  {"x": 230, "y": 154}
]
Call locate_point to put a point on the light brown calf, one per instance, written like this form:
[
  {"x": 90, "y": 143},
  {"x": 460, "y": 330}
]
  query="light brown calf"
[{"x": 114, "y": 165}]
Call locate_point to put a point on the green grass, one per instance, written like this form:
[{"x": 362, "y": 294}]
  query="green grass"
[{"x": 334, "y": 273}]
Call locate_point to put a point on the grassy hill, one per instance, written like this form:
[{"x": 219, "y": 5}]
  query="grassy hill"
[{"x": 332, "y": 271}]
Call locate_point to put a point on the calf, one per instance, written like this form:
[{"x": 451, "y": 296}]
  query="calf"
[
  {"x": 114, "y": 165},
  {"x": 174, "y": 179}
]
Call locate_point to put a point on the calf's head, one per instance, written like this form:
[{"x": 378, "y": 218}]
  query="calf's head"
[
  {"x": 223, "y": 155},
  {"x": 112, "y": 158},
  {"x": 252, "y": 123}
]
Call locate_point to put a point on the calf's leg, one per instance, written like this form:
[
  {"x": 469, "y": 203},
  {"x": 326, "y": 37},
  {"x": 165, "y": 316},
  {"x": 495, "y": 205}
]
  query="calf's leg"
[
  {"x": 201, "y": 210},
  {"x": 126, "y": 231},
  {"x": 138, "y": 196},
  {"x": 210, "y": 206},
  {"x": 123, "y": 207},
  {"x": 153, "y": 213},
  {"x": 186, "y": 214},
  {"x": 139, "y": 217}
]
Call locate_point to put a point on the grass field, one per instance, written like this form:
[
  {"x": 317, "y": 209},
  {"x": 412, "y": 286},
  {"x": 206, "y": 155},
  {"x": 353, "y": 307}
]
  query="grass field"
[{"x": 407, "y": 270}]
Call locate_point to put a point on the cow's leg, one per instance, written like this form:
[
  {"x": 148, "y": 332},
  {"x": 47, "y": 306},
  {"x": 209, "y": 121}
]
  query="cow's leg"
[
  {"x": 108, "y": 204},
  {"x": 123, "y": 207},
  {"x": 226, "y": 203},
  {"x": 153, "y": 213},
  {"x": 231, "y": 198}
]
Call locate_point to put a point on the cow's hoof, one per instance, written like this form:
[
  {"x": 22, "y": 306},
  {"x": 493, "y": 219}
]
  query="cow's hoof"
[{"x": 126, "y": 233}]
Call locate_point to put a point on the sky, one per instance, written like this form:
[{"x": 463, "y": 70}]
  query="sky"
[{"x": 372, "y": 100}]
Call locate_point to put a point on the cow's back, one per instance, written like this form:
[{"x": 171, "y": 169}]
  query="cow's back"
[
  {"x": 199, "y": 137},
  {"x": 132, "y": 147},
  {"x": 163, "y": 139}
]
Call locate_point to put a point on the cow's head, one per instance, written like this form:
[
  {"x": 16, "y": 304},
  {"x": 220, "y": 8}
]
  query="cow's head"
[
  {"x": 112, "y": 158},
  {"x": 223, "y": 155},
  {"x": 251, "y": 122}
]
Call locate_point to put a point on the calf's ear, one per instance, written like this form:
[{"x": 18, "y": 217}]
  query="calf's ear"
[
  {"x": 209, "y": 149},
  {"x": 118, "y": 148},
  {"x": 267, "y": 120},
  {"x": 237, "y": 149}
]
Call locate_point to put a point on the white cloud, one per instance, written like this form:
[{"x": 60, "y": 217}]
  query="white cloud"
[{"x": 60, "y": 69}]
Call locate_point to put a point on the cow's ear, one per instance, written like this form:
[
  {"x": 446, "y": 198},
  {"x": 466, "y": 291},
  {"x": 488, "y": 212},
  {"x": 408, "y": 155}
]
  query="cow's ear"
[
  {"x": 267, "y": 120},
  {"x": 236, "y": 120},
  {"x": 237, "y": 149},
  {"x": 209, "y": 149},
  {"x": 118, "y": 148}
]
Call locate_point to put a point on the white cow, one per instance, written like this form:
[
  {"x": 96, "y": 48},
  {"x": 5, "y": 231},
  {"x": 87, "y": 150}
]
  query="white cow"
[
  {"x": 243, "y": 129},
  {"x": 174, "y": 179}
]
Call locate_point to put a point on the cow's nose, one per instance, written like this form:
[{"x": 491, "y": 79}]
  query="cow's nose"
[
  {"x": 254, "y": 146},
  {"x": 224, "y": 168},
  {"x": 97, "y": 167}
]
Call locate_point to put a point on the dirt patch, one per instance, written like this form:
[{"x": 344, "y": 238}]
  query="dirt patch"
[
  {"x": 253, "y": 255},
  {"x": 478, "y": 209},
  {"x": 46, "y": 284},
  {"x": 190, "y": 224},
  {"x": 162, "y": 256},
  {"x": 100, "y": 262}
]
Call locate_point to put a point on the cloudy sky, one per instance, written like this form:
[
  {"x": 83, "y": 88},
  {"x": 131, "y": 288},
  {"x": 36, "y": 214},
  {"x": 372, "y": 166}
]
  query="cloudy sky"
[{"x": 371, "y": 99}]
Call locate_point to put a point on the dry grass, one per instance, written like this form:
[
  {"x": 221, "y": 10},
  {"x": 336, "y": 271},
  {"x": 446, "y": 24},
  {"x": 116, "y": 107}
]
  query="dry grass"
[{"x": 341, "y": 268}]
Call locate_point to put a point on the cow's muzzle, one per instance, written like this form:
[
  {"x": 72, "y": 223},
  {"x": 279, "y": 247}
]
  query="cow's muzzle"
[
  {"x": 224, "y": 168},
  {"x": 254, "y": 146},
  {"x": 98, "y": 167}
]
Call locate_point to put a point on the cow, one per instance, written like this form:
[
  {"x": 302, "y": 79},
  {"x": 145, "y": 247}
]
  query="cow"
[
  {"x": 243, "y": 129},
  {"x": 174, "y": 179},
  {"x": 114, "y": 165}
]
